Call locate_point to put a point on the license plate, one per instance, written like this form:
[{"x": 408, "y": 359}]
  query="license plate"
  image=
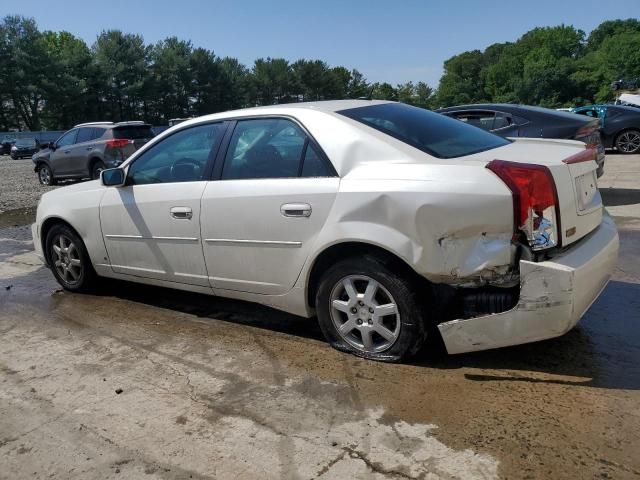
[{"x": 586, "y": 188}]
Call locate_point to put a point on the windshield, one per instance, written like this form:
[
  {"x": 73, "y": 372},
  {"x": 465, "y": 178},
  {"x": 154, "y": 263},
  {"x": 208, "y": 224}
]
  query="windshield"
[
  {"x": 433, "y": 133},
  {"x": 26, "y": 142}
]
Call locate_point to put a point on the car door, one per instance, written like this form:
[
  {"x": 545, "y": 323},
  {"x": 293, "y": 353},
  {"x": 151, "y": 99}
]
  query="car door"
[
  {"x": 81, "y": 150},
  {"x": 151, "y": 226},
  {"x": 61, "y": 159},
  {"x": 274, "y": 191}
]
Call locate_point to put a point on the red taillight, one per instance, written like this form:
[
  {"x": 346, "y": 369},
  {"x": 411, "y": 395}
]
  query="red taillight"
[
  {"x": 535, "y": 200},
  {"x": 118, "y": 142}
]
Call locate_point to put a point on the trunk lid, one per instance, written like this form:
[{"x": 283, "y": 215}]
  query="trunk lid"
[{"x": 573, "y": 168}]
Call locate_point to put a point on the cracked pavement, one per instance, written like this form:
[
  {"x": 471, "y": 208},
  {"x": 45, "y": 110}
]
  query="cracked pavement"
[{"x": 215, "y": 388}]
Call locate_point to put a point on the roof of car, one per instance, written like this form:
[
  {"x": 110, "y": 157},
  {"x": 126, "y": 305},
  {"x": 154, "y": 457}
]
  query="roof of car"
[
  {"x": 528, "y": 111},
  {"x": 111, "y": 124}
]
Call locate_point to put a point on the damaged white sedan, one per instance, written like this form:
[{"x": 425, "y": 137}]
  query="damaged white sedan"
[{"x": 388, "y": 221}]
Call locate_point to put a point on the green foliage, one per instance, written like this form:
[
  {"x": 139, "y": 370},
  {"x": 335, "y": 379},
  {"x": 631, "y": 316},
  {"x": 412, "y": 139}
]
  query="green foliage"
[
  {"x": 54, "y": 80},
  {"x": 551, "y": 66}
]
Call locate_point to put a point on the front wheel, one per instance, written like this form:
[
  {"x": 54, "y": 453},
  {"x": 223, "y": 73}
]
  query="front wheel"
[
  {"x": 45, "y": 175},
  {"x": 367, "y": 309},
  {"x": 96, "y": 169},
  {"x": 69, "y": 260},
  {"x": 628, "y": 142}
]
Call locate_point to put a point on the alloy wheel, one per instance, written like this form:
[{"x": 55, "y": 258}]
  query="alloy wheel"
[
  {"x": 45, "y": 176},
  {"x": 364, "y": 313},
  {"x": 629, "y": 142},
  {"x": 66, "y": 259}
]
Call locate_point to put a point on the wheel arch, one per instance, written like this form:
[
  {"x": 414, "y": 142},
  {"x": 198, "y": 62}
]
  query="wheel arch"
[
  {"x": 93, "y": 159},
  {"x": 353, "y": 248},
  {"x": 46, "y": 227}
]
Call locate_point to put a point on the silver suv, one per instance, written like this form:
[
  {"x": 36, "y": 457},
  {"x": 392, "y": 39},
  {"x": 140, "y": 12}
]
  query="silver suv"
[{"x": 88, "y": 148}]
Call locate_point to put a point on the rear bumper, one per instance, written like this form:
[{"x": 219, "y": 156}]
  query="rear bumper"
[{"x": 553, "y": 297}]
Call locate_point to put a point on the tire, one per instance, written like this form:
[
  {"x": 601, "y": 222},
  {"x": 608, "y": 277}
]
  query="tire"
[
  {"x": 69, "y": 261},
  {"x": 392, "y": 337},
  {"x": 96, "y": 169},
  {"x": 13, "y": 157},
  {"x": 628, "y": 142},
  {"x": 45, "y": 175}
]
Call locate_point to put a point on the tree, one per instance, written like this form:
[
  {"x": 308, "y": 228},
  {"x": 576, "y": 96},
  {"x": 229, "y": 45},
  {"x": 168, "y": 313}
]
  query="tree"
[
  {"x": 273, "y": 80},
  {"x": 68, "y": 96},
  {"x": 122, "y": 63},
  {"x": 25, "y": 67}
]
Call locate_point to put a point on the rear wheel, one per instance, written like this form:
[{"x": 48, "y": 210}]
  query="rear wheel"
[
  {"x": 45, "y": 176},
  {"x": 96, "y": 169},
  {"x": 69, "y": 260},
  {"x": 367, "y": 309},
  {"x": 628, "y": 142}
]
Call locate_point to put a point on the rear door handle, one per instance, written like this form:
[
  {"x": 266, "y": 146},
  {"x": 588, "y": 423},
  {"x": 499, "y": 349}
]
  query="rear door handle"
[
  {"x": 296, "y": 210},
  {"x": 181, "y": 213}
]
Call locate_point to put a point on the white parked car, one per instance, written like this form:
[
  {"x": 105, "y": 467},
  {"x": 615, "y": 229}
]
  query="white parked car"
[{"x": 388, "y": 221}]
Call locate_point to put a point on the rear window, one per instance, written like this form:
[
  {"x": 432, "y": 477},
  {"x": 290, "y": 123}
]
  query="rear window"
[
  {"x": 26, "y": 142},
  {"x": 433, "y": 133},
  {"x": 133, "y": 132}
]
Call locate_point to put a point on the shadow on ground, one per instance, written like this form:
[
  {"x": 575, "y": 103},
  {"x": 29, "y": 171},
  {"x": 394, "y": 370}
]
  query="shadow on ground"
[
  {"x": 602, "y": 352},
  {"x": 613, "y": 197}
]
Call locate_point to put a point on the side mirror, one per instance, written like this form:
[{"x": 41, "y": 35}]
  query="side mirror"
[
  {"x": 113, "y": 177},
  {"x": 52, "y": 145}
]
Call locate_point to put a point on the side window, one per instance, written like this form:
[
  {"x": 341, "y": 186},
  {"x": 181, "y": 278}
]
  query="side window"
[
  {"x": 501, "y": 120},
  {"x": 264, "y": 148},
  {"x": 483, "y": 120},
  {"x": 85, "y": 135},
  {"x": 313, "y": 165},
  {"x": 67, "y": 139},
  {"x": 98, "y": 132},
  {"x": 182, "y": 157}
]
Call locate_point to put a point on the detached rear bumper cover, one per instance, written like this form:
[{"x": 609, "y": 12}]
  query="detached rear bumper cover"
[{"x": 553, "y": 297}]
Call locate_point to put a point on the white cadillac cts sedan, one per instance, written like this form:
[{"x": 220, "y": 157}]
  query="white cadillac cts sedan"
[{"x": 388, "y": 221}]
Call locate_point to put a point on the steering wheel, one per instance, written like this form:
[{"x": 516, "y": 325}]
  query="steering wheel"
[{"x": 185, "y": 169}]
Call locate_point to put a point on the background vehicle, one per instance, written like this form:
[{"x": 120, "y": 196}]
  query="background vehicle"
[
  {"x": 24, "y": 147},
  {"x": 620, "y": 125},
  {"x": 386, "y": 220},
  {"x": 5, "y": 145},
  {"x": 509, "y": 120},
  {"x": 88, "y": 148}
]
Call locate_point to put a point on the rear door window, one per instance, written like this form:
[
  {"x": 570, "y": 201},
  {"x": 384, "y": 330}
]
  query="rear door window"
[
  {"x": 85, "y": 135},
  {"x": 264, "y": 148}
]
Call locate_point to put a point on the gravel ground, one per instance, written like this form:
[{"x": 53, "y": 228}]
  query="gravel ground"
[{"x": 19, "y": 186}]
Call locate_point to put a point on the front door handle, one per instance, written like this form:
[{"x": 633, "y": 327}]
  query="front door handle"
[
  {"x": 296, "y": 210},
  {"x": 181, "y": 213}
]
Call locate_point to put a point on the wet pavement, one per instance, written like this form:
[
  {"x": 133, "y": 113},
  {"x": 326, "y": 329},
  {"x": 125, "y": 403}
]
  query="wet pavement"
[{"x": 214, "y": 388}]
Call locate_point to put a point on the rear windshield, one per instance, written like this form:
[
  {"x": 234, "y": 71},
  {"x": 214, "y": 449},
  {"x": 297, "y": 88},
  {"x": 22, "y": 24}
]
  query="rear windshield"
[
  {"x": 433, "y": 133},
  {"x": 133, "y": 132}
]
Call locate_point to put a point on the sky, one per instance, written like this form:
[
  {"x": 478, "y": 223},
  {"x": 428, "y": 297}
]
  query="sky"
[{"x": 391, "y": 40}]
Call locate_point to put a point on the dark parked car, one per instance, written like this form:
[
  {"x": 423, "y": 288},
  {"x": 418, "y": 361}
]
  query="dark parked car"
[
  {"x": 620, "y": 125},
  {"x": 88, "y": 148},
  {"x": 509, "y": 120},
  {"x": 5, "y": 145},
  {"x": 24, "y": 147}
]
